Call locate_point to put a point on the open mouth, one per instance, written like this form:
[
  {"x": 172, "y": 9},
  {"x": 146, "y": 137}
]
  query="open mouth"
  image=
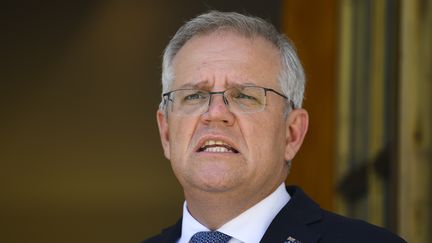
[{"x": 217, "y": 146}]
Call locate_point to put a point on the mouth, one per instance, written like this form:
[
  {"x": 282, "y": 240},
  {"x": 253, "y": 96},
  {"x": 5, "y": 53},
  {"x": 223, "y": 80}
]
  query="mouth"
[{"x": 217, "y": 146}]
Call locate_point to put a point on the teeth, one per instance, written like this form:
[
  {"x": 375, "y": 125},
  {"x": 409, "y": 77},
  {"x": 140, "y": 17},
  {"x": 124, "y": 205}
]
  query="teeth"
[
  {"x": 216, "y": 149},
  {"x": 216, "y": 146},
  {"x": 215, "y": 142}
]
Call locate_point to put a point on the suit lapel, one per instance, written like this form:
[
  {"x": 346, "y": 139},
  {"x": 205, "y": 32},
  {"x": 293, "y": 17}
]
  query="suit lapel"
[
  {"x": 172, "y": 234},
  {"x": 291, "y": 223}
]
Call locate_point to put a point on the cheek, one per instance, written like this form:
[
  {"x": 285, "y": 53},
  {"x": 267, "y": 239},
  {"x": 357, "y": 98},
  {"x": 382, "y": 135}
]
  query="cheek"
[
  {"x": 265, "y": 138},
  {"x": 180, "y": 133}
]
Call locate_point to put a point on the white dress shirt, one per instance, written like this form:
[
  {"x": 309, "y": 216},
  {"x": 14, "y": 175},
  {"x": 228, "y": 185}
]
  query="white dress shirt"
[{"x": 248, "y": 227}]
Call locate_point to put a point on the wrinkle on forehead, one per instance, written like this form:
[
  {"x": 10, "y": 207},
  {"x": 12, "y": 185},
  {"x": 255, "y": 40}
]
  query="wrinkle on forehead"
[
  {"x": 208, "y": 85},
  {"x": 226, "y": 58}
]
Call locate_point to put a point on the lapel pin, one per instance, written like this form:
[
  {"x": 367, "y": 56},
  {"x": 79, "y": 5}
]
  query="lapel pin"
[{"x": 291, "y": 240}]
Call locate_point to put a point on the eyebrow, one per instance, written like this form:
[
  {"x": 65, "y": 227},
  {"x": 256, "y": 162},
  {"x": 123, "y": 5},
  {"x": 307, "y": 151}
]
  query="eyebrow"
[
  {"x": 204, "y": 84},
  {"x": 249, "y": 84},
  {"x": 191, "y": 85}
]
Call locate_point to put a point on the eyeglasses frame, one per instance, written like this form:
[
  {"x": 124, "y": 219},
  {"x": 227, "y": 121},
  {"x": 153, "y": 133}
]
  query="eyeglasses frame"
[{"x": 211, "y": 93}]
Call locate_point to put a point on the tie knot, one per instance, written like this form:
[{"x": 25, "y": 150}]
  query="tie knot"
[{"x": 210, "y": 237}]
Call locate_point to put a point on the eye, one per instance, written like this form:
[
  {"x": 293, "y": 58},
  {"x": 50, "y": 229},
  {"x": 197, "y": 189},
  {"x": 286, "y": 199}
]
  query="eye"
[
  {"x": 241, "y": 95},
  {"x": 195, "y": 96}
]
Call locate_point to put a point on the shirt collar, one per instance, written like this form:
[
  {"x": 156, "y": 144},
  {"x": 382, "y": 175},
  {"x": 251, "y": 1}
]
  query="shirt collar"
[{"x": 248, "y": 227}]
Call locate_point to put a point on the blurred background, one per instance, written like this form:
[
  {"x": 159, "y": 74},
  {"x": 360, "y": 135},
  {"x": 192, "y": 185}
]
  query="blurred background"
[{"x": 80, "y": 156}]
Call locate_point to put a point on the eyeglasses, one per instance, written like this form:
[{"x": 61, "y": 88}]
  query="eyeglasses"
[{"x": 242, "y": 99}]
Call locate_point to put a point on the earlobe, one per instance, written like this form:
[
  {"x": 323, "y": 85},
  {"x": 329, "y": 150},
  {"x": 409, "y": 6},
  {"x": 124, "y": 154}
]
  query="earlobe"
[
  {"x": 297, "y": 126},
  {"x": 163, "y": 132}
]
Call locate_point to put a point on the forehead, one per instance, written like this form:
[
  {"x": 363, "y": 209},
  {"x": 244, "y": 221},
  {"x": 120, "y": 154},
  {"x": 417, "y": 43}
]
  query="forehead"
[{"x": 224, "y": 57}]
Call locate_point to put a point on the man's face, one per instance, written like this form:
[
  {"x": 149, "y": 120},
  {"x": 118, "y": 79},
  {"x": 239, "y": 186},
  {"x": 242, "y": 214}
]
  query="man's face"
[{"x": 253, "y": 147}]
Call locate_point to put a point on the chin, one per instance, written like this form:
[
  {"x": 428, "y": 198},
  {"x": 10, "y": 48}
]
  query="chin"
[
  {"x": 212, "y": 175},
  {"x": 216, "y": 181},
  {"x": 210, "y": 187}
]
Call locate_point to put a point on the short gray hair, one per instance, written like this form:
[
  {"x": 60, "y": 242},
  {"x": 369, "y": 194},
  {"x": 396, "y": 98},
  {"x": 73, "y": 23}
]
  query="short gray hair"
[{"x": 291, "y": 78}]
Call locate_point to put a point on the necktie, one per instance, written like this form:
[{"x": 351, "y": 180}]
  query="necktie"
[{"x": 210, "y": 237}]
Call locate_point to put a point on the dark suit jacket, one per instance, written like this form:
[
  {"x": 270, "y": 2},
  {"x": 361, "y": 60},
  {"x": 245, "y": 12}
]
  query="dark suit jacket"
[{"x": 301, "y": 220}]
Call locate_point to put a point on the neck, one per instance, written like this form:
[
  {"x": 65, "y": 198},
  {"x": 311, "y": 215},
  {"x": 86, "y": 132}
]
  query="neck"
[{"x": 214, "y": 209}]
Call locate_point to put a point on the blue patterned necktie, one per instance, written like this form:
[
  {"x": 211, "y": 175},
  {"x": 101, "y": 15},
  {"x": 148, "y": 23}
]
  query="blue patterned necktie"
[{"x": 210, "y": 237}]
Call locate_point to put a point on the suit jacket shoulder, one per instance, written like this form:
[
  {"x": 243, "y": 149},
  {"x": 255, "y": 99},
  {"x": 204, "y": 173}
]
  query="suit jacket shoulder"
[
  {"x": 301, "y": 220},
  {"x": 336, "y": 228}
]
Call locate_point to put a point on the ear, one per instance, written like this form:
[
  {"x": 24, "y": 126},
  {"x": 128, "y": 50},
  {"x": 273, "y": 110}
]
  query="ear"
[
  {"x": 297, "y": 124},
  {"x": 163, "y": 132}
]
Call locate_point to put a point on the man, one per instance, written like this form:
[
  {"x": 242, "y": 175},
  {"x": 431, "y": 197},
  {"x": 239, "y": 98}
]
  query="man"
[{"x": 230, "y": 123}]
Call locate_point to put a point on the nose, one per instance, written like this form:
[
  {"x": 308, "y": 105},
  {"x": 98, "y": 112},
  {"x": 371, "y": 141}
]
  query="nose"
[{"x": 218, "y": 110}]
